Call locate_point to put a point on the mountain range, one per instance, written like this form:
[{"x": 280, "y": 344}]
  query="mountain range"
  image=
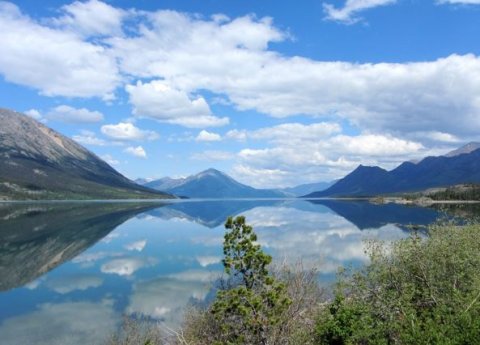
[
  {"x": 211, "y": 183},
  {"x": 37, "y": 162},
  {"x": 456, "y": 167}
]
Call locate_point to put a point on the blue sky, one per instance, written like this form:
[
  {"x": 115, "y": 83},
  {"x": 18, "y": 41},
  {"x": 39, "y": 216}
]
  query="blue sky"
[{"x": 275, "y": 93}]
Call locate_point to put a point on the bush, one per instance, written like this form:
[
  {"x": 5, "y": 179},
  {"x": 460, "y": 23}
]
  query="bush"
[{"x": 416, "y": 291}]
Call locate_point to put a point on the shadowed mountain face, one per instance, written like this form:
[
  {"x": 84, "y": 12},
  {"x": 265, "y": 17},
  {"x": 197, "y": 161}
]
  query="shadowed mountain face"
[
  {"x": 211, "y": 183},
  {"x": 35, "y": 238},
  {"x": 38, "y": 163},
  {"x": 457, "y": 168}
]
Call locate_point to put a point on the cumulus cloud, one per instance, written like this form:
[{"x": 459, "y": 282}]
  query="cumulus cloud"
[
  {"x": 208, "y": 136},
  {"x": 236, "y": 134},
  {"x": 205, "y": 261},
  {"x": 65, "y": 113},
  {"x": 184, "y": 55},
  {"x": 126, "y": 131},
  {"x": 34, "y": 113},
  {"x": 403, "y": 97},
  {"x": 321, "y": 158},
  {"x": 138, "y": 151},
  {"x": 89, "y": 138},
  {"x": 91, "y": 18},
  {"x": 53, "y": 61},
  {"x": 126, "y": 266},
  {"x": 160, "y": 101},
  {"x": 347, "y": 14}
]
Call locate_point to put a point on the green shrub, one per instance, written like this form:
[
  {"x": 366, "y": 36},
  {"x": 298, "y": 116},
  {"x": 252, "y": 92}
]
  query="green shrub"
[{"x": 416, "y": 291}]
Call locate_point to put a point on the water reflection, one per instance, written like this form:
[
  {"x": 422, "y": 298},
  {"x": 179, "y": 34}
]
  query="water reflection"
[
  {"x": 366, "y": 215},
  {"x": 69, "y": 271},
  {"x": 212, "y": 213},
  {"x": 37, "y": 238}
]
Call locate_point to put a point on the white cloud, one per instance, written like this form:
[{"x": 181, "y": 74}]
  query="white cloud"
[
  {"x": 159, "y": 101},
  {"x": 212, "y": 155},
  {"x": 205, "y": 261},
  {"x": 69, "y": 114},
  {"x": 110, "y": 160},
  {"x": 208, "y": 136},
  {"x": 138, "y": 245},
  {"x": 92, "y": 18},
  {"x": 88, "y": 138},
  {"x": 178, "y": 44},
  {"x": 34, "y": 114},
  {"x": 240, "y": 135},
  {"x": 436, "y": 136},
  {"x": 185, "y": 55},
  {"x": 126, "y": 131},
  {"x": 125, "y": 266},
  {"x": 380, "y": 97},
  {"x": 56, "y": 62},
  {"x": 288, "y": 131},
  {"x": 321, "y": 158},
  {"x": 138, "y": 151},
  {"x": 347, "y": 14}
]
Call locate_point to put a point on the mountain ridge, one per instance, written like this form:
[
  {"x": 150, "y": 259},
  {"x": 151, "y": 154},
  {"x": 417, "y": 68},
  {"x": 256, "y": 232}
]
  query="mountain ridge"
[
  {"x": 211, "y": 183},
  {"x": 40, "y": 163},
  {"x": 457, "y": 167}
]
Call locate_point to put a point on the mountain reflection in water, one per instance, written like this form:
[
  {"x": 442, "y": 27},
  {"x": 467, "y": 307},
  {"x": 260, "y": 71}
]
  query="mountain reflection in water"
[{"x": 68, "y": 271}]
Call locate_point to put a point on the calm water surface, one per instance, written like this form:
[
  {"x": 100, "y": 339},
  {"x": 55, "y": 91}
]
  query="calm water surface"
[{"x": 69, "y": 271}]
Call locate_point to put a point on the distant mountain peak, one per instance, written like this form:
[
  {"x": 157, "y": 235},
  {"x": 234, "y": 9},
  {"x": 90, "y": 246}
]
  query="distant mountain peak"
[
  {"x": 212, "y": 183},
  {"x": 468, "y": 148},
  {"x": 211, "y": 172}
]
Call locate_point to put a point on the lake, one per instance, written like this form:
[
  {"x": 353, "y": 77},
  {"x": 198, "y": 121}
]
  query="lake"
[{"x": 69, "y": 271}]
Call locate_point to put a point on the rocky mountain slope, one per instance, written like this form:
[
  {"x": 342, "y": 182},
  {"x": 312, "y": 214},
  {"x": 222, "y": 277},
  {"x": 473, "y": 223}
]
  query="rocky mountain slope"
[{"x": 37, "y": 162}]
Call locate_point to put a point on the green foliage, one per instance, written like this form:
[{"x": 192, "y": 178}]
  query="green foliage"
[
  {"x": 416, "y": 291},
  {"x": 460, "y": 192},
  {"x": 250, "y": 309}
]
